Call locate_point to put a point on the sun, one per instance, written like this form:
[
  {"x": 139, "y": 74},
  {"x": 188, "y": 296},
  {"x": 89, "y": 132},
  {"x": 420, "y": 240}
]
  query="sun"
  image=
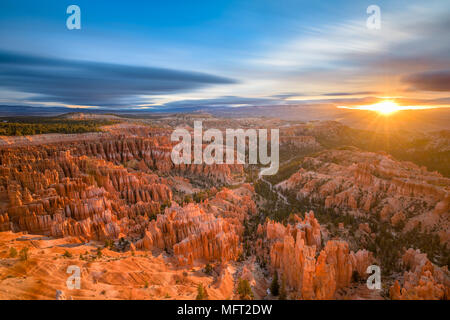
[{"x": 385, "y": 107}]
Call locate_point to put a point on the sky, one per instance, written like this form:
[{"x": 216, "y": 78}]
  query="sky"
[{"x": 175, "y": 54}]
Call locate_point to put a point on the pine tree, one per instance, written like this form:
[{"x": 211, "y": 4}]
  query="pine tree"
[
  {"x": 283, "y": 293},
  {"x": 24, "y": 254},
  {"x": 202, "y": 294},
  {"x": 274, "y": 286},
  {"x": 244, "y": 289}
]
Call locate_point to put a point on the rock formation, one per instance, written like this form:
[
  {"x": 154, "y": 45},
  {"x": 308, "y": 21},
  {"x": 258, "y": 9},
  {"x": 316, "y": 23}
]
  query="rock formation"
[
  {"x": 364, "y": 183},
  {"x": 293, "y": 252},
  {"x": 94, "y": 186},
  {"x": 424, "y": 281},
  {"x": 210, "y": 231}
]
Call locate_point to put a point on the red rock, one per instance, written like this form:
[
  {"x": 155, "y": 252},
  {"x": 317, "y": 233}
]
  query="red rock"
[
  {"x": 293, "y": 252},
  {"x": 425, "y": 281},
  {"x": 358, "y": 182},
  {"x": 398, "y": 218}
]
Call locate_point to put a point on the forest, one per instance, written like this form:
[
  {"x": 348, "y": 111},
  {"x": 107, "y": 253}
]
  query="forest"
[{"x": 22, "y": 126}]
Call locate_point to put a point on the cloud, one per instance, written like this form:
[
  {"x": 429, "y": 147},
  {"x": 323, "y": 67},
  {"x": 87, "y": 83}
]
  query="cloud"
[
  {"x": 429, "y": 81},
  {"x": 225, "y": 101},
  {"x": 332, "y": 94},
  {"x": 76, "y": 82},
  {"x": 287, "y": 95},
  {"x": 244, "y": 102},
  {"x": 412, "y": 39}
]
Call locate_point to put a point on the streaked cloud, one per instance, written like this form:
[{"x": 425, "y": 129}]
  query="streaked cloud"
[
  {"x": 309, "y": 55},
  {"x": 73, "y": 82},
  {"x": 429, "y": 81},
  {"x": 332, "y": 94}
]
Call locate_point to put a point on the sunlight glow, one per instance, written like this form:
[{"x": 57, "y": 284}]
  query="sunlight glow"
[{"x": 386, "y": 107}]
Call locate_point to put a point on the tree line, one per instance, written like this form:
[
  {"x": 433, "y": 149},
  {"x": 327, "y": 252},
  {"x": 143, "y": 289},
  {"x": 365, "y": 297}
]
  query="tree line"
[{"x": 32, "y": 127}]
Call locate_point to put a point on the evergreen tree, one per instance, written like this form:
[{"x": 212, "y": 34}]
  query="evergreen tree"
[
  {"x": 244, "y": 289},
  {"x": 202, "y": 294},
  {"x": 274, "y": 286},
  {"x": 283, "y": 293}
]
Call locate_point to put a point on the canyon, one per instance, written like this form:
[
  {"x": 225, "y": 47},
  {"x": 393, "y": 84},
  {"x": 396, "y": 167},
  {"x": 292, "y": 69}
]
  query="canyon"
[
  {"x": 367, "y": 183},
  {"x": 141, "y": 227}
]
